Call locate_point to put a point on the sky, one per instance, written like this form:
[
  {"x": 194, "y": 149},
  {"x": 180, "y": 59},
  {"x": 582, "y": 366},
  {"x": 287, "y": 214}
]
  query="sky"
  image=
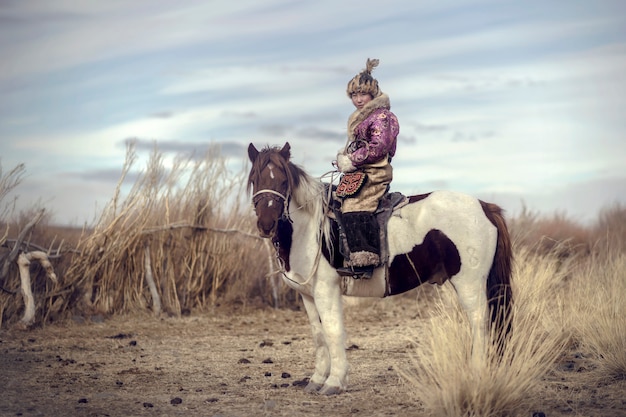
[{"x": 518, "y": 103}]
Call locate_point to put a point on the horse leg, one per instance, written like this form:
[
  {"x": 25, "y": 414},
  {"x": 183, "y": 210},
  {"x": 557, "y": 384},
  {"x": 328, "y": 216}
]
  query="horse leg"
[
  {"x": 329, "y": 305},
  {"x": 322, "y": 360},
  {"x": 471, "y": 290}
]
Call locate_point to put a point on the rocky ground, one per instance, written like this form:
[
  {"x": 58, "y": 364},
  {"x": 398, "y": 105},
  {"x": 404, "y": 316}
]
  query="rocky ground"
[{"x": 240, "y": 362}]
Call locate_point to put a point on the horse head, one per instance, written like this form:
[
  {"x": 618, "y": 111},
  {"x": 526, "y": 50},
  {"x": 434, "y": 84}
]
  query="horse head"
[{"x": 270, "y": 181}]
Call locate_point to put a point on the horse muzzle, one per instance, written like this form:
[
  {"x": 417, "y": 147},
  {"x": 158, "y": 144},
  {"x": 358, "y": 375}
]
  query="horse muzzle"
[{"x": 266, "y": 228}]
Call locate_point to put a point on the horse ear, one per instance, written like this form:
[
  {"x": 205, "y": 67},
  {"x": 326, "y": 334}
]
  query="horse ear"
[
  {"x": 285, "y": 152},
  {"x": 252, "y": 152}
]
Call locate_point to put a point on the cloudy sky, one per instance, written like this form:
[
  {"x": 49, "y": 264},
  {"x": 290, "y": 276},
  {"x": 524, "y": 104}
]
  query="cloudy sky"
[{"x": 515, "y": 102}]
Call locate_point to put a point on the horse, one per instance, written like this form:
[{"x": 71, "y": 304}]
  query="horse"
[{"x": 435, "y": 237}]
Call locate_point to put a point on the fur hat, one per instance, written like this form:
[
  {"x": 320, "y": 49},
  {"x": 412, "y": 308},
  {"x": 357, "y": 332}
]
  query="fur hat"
[{"x": 363, "y": 82}]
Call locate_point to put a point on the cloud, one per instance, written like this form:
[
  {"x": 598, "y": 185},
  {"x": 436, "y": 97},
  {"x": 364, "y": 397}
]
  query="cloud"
[
  {"x": 195, "y": 149},
  {"x": 163, "y": 115},
  {"x": 491, "y": 97},
  {"x": 104, "y": 176}
]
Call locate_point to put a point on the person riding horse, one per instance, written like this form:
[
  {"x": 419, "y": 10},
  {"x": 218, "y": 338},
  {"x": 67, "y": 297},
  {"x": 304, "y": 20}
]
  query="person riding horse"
[{"x": 365, "y": 162}]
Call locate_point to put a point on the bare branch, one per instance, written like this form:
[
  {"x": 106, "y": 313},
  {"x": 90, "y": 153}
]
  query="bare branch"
[
  {"x": 156, "y": 299},
  {"x": 20, "y": 238},
  {"x": 27, "y": 246},
  {"x": 196, "y": 227},
  {"x": 23, "y": 261}
]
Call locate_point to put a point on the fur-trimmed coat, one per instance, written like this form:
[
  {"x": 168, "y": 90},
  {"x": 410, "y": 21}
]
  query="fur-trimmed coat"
[{"x": 372, "y": 134}]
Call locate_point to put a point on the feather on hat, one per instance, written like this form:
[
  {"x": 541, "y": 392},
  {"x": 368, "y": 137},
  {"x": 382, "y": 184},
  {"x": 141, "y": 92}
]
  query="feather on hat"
[{"x": 363, "y": 82}]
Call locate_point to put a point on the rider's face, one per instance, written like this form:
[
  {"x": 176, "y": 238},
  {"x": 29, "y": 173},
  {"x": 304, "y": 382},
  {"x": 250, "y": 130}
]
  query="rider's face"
[{"x": 360, "y": 99}]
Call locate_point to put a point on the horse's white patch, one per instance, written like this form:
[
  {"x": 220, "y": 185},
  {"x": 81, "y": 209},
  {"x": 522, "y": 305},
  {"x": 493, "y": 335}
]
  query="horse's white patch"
[
  {"x": 271, "y": 168},
  {"x": 474, "y": 260},
  {"x": 270, "y": 203}
]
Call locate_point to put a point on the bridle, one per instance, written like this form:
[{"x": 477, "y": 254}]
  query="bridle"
[
  {"x": 281, "y": 199},
  {"x": 256, "y": 198}
]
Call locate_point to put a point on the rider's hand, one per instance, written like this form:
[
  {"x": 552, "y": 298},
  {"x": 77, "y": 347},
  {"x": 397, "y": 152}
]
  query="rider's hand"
[{"x": 344, "y": 164}]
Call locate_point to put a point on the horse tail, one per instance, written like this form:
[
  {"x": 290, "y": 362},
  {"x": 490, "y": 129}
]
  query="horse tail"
[{"x": 499, "y": 295}]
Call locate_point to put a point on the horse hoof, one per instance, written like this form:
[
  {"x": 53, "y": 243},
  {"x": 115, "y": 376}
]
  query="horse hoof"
[
  {"x": 312, "y": 388},
  {"x": 330, "y": 390}
]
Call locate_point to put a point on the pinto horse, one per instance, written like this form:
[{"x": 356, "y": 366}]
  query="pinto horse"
[{"x": 435, "y": 237}]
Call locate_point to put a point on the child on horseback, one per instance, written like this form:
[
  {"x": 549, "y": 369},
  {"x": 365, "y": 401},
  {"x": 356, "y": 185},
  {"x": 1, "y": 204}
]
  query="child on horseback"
[{"x": 365, "y": 162}]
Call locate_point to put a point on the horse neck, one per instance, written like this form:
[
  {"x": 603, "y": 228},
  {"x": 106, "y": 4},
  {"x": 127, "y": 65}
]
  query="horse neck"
[
  {"x": 307, "y": 196},
  {"x": 307, "y": 205}
]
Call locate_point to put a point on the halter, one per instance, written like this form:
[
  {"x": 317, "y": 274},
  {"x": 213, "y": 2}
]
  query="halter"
[
  {"x": 284, "y": 199},
  {"x": 269, "y": 191}
]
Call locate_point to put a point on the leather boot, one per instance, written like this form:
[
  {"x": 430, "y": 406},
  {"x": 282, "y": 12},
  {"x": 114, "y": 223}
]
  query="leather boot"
[{"x": 362, "y": 234}]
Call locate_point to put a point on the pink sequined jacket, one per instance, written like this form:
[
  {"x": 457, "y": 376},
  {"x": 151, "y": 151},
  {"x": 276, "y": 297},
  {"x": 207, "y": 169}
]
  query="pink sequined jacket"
[{"x": 374, "y": 136}]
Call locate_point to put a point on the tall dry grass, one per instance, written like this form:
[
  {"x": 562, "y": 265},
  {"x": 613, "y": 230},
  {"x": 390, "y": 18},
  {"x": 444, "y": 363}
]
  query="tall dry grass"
[
  {"x": 189, "y": 219},
  {"x": 187, "y": 223},
  {"x": 449, "y": 383},
  {"x": 569, "y": 285},
  {"x": 8, "y": 182},
  {"x": 609, "y": 231},
  {"x": 593, "y": 292},
  {"x": 596, "y": 313},
  {"x": 556, "y": 234}
]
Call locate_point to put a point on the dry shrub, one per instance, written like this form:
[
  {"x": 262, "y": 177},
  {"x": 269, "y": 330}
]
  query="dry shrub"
[
  {"x": 597, "y": 313},
  {"x": 555, "y": 234},
  {"x": 449, "y": 383},
  {"x": 8, "y": 182},
  {"x": 12, "y": 225},
  {"x": 609, "y": 230}
]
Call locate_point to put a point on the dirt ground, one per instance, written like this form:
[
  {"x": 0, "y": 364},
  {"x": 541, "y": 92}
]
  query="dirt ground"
[{"x": 239, "y": 362}]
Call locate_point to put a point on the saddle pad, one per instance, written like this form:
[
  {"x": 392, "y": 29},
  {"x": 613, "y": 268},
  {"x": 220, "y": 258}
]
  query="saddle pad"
[{"x": 350, "y": 184}]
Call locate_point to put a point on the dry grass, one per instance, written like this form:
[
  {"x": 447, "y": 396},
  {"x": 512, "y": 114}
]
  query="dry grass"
[
  {"x": 569, "y": 284},
  {"x": 597, "y": 313},
  {"x": 8, "y": 182},
  {"x": 182, "y": 218},
  {"x": 191, "y": 217},
  {"x": 555, "y": 234},
  {"x": 609, "y": 231},
  {"x": 449, "y": 383}
]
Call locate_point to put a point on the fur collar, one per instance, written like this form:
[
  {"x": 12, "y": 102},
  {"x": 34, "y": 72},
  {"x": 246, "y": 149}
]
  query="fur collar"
[{"x": 380, "y": 102}]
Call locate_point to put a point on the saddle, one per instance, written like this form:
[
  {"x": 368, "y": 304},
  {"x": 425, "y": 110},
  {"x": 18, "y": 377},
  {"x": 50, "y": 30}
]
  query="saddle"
[{"x": 389, "y": 202}]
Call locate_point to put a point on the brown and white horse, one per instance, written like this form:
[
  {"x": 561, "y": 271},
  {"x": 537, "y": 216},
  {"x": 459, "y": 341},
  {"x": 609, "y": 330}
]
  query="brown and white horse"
[{"x": 436, "y": 237}]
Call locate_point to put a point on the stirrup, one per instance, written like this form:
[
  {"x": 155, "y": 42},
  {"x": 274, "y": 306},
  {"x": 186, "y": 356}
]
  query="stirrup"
[{"x": 357, "y": 272}]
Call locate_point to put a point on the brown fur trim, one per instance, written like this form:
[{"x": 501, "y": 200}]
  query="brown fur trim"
[
  {"x": 380, "y": 102},
  {"x": 363, "y": 82},
  {"x": 357, "y": 86}
]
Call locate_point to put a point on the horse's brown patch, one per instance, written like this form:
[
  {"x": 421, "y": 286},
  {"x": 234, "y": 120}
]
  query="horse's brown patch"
[
  {"x": 282, "y": 242},
  {"x": 435, "y": 260},
  {"x": 418, "y": 197}
]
